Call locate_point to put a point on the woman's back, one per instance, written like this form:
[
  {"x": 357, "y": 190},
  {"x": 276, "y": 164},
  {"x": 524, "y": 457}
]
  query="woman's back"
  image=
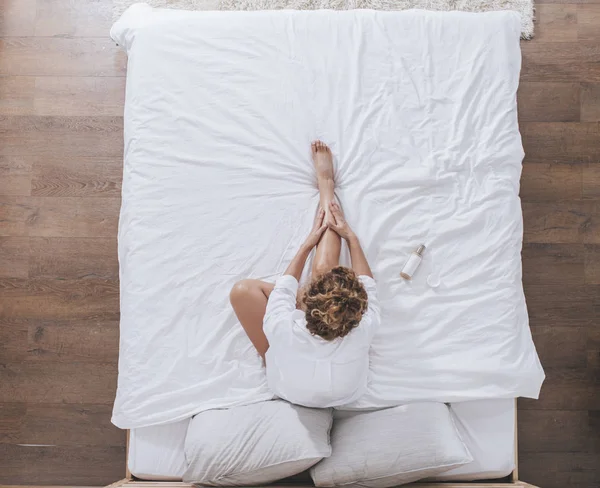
[{"x": 306, "y": 369}]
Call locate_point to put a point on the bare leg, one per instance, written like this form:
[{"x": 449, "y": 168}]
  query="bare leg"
[
  {"x": 327, "y": 254},
  {"x": 249, "y": 301}
]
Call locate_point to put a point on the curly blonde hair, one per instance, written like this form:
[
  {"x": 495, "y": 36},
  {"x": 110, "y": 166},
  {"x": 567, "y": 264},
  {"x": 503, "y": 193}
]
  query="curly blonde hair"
[{"x": 334, "y": 303}]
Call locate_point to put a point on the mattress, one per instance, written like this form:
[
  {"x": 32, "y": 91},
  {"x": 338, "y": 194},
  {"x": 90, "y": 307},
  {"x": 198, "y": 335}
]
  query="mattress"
[
  {"x": 487, "y": 427},
  {"x": 157, "y": 452},
  {"x": 420, "y": 111}
]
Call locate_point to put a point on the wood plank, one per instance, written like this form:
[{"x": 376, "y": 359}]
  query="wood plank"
[
  {"x": 560, "y": 61},
  {"x": 562, "y": 222},
  {"x": 70, "y": 18},
  {"x": 560, "y": 469},
  {"x": 17, "y": 18},
  {"x": 61, "y": 425},
  {"x": 55, "y": 56},
  {"x": 592, "y": 264},
  {"x": 16, "y": 95},
  {"x": 12, "y": 416},
  {"x": 553, "y": 431},
  {"x": 561, "y": 347},
  {"x": 78, "y": 96},
  {"x": 57, "y": 382},
  {"x": 565, "y": 389},
  {"x": 590, "y": 101},
  {"x": 153, "y": 484},
  {"x": 593, "y": 356},
  {"x": 59, "y": 217},
  {"x": 14, "y": 257},
  {"x": 64, "y": 136},
  {"x": 62, "y": 95},
  {"x": 561, "y": 142},
  {"x": 594, "y": 428},
  {"x": 13, "y": 341},
  {"x": 14, "y": 215},
  {"x": 562, "y": 305},
  {"x": 71, "y": 258},
  {"x": 556, "y": 22},
  {"x": 548, "y": 102},
  {"x": 551, "y": 182},
  {"x": 122, "y": 482},
  {"x": 591, "y": 181},
  {"x": 62, "y": 465},
  {"x": 15, "y": 175},
  {"x": 76, "y": 176},
  {"x": 167, "y": 484},
  {"x": 89, "y": 299},
  {"x": 553, "y": 264},
  {"x": 93, "y": 342},
  {"x": 588, "y": 25}
]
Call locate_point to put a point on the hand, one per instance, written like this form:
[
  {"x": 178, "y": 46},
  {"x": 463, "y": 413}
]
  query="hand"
[
  {"x": 317, "y": 231},
  {"x": 338, "y": 222}
]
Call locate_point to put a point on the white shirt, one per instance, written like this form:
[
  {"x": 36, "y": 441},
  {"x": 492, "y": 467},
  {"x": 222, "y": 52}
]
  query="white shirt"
[{"x": 306, "y": 369}]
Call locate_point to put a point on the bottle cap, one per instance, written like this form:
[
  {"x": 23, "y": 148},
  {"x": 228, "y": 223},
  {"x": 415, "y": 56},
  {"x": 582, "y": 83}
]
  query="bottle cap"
[
  {"x": 420, "y": 249},
  {"x": 433, "y": 280}
]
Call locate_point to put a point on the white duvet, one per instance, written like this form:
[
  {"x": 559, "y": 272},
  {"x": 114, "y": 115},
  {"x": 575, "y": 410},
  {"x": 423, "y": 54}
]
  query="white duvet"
[{"x": 420, "y": 111}]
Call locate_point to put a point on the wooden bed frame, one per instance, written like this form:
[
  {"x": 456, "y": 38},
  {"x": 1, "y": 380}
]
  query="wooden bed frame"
[{"x": 512, "y": 481}]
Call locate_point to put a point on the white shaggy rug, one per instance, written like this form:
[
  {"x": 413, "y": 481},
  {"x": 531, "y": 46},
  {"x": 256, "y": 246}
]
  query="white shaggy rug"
[{"x": 524, "y": 7}]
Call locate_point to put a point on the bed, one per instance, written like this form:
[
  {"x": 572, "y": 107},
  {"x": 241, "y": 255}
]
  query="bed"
[
  {"x": 486, "y": 426},
  {"x": 420, "y": 111}
]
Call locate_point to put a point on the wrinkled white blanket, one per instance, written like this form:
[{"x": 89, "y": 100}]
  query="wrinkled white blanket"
[{"x": 420, "y": 111}]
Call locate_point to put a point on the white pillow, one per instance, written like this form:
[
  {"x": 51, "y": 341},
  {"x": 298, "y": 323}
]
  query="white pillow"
[
  {"x": 255, "y": 444},
  {"x": 391, "y": 447}
]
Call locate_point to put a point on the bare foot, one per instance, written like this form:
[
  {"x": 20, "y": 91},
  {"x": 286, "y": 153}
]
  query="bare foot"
[{"x": 323, "y": 160}]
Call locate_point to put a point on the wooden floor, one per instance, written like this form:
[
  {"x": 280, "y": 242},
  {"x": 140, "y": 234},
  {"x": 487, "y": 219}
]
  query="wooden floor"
[{"x": 61, "y": 100}]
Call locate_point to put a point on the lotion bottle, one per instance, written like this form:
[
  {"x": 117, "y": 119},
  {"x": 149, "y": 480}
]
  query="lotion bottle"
[{"x": 413, "y": 262}]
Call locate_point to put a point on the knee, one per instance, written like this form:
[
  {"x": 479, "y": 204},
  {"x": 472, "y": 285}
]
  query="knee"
[
  {"x": 321, "y": 269},
  {"x": 240, "y": 290}
]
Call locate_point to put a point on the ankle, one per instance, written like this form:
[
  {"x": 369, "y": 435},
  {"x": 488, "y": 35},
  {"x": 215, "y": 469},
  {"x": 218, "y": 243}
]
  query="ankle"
[
  {"x": 324, "y": 172},
  {"x": 325, "y": 181}
]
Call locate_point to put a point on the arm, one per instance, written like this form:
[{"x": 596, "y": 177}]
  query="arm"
[
  {"x": 282, "y": 300},
  {"x": 297, "y": 265},
  {"x": 357, "y": 256}
]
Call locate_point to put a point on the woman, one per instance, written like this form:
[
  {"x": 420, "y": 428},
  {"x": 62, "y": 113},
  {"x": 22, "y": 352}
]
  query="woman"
[{"x": 318, "y": 356}]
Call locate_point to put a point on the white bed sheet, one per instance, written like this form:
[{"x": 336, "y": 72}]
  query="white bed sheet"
[
  {"x": 420, "y": 111},
  {"x": 157, "y": 452},
  {"x": 486, "y": 426}
]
